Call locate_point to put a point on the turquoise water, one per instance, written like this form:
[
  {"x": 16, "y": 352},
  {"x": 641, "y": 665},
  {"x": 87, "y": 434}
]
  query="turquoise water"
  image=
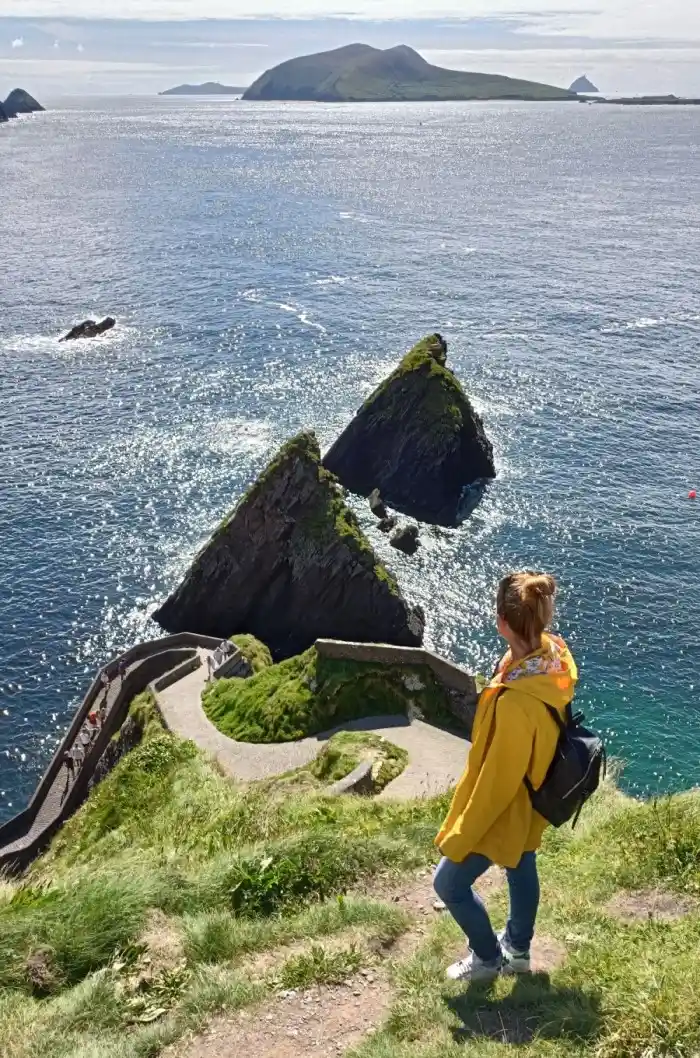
[{"x": 267, "y": 265}]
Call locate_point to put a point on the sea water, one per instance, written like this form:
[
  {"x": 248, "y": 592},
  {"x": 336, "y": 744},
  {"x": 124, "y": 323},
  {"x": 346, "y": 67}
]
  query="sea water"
[{"x": 268, "y": 264}]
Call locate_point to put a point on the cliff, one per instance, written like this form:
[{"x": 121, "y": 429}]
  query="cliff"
[
  {"x": 291, "y": 565},
  {"x": 20, "y": 102},
  {"x": 3, "y": 114},
  {"x": 360, "y": 73},
  {"x": 416, "y": 438}
]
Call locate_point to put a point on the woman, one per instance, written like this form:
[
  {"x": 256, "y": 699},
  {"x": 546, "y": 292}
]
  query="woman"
[{"x": 491, "y": 819}]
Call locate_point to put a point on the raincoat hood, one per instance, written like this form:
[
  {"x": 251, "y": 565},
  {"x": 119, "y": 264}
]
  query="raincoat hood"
[{"x": 549, "y": 674}]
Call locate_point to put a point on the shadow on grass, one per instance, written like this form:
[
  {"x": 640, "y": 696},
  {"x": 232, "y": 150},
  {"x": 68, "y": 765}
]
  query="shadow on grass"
[{"x": 535, "y": 1007}]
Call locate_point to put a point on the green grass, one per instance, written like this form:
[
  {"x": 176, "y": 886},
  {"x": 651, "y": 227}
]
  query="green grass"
[
  {"x": 309, "y": 694},
  {"x": 240, "y": 871},
  {"x": 319, "y": 966},
  {"x": 339, "y": 757},
  {"x": 215, "y": 936},
  {"x": 255, "y": 652}
]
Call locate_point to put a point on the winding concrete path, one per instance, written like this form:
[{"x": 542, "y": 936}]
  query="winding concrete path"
[{"x": 436, "y": 757}]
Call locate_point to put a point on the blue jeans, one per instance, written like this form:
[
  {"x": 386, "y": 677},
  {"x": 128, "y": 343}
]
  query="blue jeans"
[{"x": 453, "y": 884}]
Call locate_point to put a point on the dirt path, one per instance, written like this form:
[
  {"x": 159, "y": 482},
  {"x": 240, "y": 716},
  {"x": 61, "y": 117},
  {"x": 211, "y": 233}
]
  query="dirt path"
[
  {"x": 326, "y": 1021},
  {"x": 436, "y": 757}
]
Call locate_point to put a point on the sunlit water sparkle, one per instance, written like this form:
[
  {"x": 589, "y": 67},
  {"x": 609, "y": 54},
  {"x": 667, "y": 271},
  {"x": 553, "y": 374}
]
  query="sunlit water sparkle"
[{"x": 267, "y": 265}]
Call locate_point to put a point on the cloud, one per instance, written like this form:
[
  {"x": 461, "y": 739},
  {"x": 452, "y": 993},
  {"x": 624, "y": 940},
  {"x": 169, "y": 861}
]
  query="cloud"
[
  {"x": 18, "y": 42},
  {"x": 57, "y": 44},
  {"x": 80, "y": 48},
  {"x": 626, "y": 20}
]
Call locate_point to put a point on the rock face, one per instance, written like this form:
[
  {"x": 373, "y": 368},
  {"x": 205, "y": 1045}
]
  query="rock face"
[
  {"x": 3, "y": 114},
  {"x": 89, "y": 329},
  {"x": 290, "y": 565},
  {"x": 20, "y": 102},
  {"x": 376, "y": 505},
  {"x": 582, "y": 84},
  {"x": 417, "y": 438}
]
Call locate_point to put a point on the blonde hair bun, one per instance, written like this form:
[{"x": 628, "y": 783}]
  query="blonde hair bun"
[{"x": 526, "y": 602}]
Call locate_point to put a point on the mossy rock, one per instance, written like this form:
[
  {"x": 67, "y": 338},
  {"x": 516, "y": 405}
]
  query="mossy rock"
[
  {"x": 254, "y": 651},
  {"x": 291, "y": 565},
  {"x": 309, "y": 694},
  {"x": 417, "y": 439}
]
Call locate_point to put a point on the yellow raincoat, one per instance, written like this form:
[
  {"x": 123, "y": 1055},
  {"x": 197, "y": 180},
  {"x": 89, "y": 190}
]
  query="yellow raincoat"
[{"x": 513, "y": 736}]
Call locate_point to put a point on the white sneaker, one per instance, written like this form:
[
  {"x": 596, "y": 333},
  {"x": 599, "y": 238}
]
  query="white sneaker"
[
  {"x": 514, "y": 962},
  {"x": 474, "y": 969}
]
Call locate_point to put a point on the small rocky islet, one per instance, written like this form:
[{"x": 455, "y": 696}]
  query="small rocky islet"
[
  {"x": 291, "y": 564},
  {"x": 19, "y": 102}
]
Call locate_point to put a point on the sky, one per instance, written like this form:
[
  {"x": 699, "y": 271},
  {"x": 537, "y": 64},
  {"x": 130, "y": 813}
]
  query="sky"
[{"x": 88, "y": 47}]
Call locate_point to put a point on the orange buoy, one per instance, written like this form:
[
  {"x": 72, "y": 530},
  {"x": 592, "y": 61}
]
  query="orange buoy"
[{"x": 692, "y": 495}]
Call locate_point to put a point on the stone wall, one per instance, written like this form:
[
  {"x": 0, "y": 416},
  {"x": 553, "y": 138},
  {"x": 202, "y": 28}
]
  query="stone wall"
[
  {"x": 23, "y": 837},
  {"x": 461, "y": 688}
]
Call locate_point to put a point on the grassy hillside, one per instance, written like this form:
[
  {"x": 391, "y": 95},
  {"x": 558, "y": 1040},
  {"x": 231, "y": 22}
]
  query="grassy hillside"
[
  {"x": 359, "y": 73},
  {"x": 151, "y": 909}
]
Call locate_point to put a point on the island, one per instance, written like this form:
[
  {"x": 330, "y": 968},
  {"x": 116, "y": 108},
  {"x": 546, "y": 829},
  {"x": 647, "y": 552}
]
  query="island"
[
  {"x": 359, "y": 73},
  {"x": 210, "y": 88},
  {"x": 20, "y": 102},
  {"x": 583, "y": 85}
]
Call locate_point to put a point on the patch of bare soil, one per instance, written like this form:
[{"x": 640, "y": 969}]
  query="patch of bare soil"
[
  {"x": 163, "y": 942},
  {"x": 655, "y": 905},
  {"x": 322, "y": 1022},
  {"x": 416, "y": 894}
]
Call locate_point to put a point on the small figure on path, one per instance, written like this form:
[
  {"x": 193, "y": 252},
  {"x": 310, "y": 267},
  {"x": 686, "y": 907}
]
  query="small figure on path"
[
  {"x": 121, "y": 669},
  {"x": 105, "y": 681},
  {"x": 69, "y": 763}
]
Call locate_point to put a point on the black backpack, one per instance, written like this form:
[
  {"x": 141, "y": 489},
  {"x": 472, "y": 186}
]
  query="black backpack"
[{"x": 575, "y": 773}]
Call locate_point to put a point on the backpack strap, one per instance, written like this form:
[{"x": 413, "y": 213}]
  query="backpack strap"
[{"x": 562, "y": 726}]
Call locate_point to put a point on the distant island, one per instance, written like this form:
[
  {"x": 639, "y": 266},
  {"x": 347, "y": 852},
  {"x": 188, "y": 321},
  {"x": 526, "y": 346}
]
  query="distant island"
[
  {"x": 359, "y": 73},
  {"x": 211, "y": 88},
  {"x": 582, "y": 84},
  {"x": 18, "y": 102},
  {"x": 648, "y": 101}
]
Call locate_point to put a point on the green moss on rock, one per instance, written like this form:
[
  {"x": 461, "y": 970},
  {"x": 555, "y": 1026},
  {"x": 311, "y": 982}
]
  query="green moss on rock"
[
  {"x": 416, "y": 438},
  {"x": 291, "y": 565},
  {"x": 254, "y": 651},
  {"x": 308, "y": 694}
]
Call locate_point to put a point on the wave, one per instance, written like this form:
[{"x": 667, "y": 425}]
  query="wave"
[{"x": 256, "y": 296}]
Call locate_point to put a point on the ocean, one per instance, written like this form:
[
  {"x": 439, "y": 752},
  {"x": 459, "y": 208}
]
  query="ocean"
[{"x": 268, "y": 264}]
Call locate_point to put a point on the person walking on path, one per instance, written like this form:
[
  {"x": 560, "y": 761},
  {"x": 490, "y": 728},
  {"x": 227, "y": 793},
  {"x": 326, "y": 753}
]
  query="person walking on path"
[
  {"x": 121, "y": 669},
  {"x": 69, "y": 762},
  {"x": 491, "y": 819}
]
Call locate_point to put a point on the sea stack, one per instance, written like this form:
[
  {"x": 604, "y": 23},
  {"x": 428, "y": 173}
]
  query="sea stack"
[
  {"x": 290, "y": 565},
  {"x": 20, "y": 102},
  {"x": 583, "y": 86},
  {"x": 417, "y": 439}
]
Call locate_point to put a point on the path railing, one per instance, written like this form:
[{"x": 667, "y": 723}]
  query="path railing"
[{"x": 23, "y": 836}]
